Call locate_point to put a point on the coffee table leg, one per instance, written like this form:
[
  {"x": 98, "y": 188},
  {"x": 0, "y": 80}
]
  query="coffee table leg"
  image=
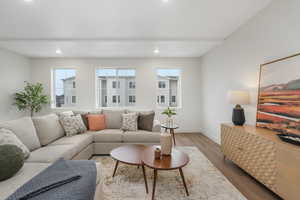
[
  {"x": 183, "y": 180},
  {"x": 154, "y": 183},
  {"x": 173, "y": 135},
  {"x": 116, "y": 166},
  {"x": 145, "y": 178}
]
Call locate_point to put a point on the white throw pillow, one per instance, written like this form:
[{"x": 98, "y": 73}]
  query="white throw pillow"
[
  {"x": 129, "y": 122},
  {"x": 8, "y": 137},
  {"x": 73, "y": 124}
]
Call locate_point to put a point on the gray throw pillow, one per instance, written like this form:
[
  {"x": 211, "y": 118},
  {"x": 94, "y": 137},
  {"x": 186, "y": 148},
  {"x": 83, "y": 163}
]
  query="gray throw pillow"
[
  {"x": 8, "y": 137},
  {"x": 145, "y": 121},
  {"x": 129, "y": 122},
  {"x": 72, "y": 124}
]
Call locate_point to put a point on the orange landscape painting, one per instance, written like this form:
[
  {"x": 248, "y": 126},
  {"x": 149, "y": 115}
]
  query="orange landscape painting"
[{"x": 278, "y": 106}]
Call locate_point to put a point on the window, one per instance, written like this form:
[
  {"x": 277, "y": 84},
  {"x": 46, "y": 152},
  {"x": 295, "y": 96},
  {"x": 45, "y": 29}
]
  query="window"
[
  {"x": 73, "y": 99},
  {"x": 161, "y": 84},
  {"x": 114, "y": 99},
  {"x": 64, "y": 88},
  {"x": 131, "y": 84},
  {"x": 168, "y": 91},
  {"x": 131, "y": 99},
  {"x": 162, "y": 99},
  {"x": 173, "y": 99},
  {"x": 114, "y": 86}
]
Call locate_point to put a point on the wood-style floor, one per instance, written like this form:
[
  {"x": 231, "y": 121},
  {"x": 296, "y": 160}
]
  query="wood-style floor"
[{"x": 247, "y": 185}]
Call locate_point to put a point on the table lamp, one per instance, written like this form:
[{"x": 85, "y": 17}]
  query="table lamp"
[{"x": 238, "y": 98}]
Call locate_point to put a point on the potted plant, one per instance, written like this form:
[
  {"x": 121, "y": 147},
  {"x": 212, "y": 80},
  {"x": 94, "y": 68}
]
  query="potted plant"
[
  {"x": 169, "y": 112},
  {"x": 31, "y": 98}
]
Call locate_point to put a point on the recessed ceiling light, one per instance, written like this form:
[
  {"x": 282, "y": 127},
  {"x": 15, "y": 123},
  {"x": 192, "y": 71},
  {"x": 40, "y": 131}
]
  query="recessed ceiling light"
[
  {"x": 28, "y": 1},
  {"x": 165, "y": 1},
  {"x": 156, "y": 51},
  {"x": 58, "y": 51}
]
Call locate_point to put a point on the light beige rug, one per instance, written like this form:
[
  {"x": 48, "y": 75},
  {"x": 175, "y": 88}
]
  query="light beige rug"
[{"x": 204, "y": 181}]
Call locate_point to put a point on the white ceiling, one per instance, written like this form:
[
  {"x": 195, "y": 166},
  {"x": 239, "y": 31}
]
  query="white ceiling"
[{"x": 120, "y": 28}]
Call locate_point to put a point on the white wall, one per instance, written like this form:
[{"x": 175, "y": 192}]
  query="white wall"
[
  {"x": 272, "y": 34},
  {"x": 188, "y": 116},
  {"x": 14, "y": 70}
]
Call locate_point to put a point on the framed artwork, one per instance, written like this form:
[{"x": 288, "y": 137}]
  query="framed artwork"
[{"x": 278, "y": 106}]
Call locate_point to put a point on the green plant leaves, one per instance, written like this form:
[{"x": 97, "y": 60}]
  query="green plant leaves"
[
  {"x": 31, "y": 98},
  {"x": 169, "y": 112}
]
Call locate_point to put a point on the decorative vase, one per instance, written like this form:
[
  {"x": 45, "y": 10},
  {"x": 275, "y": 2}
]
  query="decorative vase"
[{"x": 166, "y": 143}]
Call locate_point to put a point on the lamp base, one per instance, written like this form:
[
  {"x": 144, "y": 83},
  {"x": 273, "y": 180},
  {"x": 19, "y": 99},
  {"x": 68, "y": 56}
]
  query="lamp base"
[{"x": 238, "y": 116}]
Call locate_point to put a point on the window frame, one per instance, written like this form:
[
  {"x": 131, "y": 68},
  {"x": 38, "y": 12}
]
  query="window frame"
[
  {"x": 53, "y": 86},
  {"x": 168, "y": 102},
  {"x": 97, "y": 105}
]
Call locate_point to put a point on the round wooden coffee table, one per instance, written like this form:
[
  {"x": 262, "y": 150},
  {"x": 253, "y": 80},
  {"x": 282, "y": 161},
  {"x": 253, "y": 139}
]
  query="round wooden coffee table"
[
  {"x": 131, "y": 155},
  {"x": 177, "y": 160}
]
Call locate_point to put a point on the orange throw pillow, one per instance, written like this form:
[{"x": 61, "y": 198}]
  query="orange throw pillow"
[{"x": 96, "y": 122}]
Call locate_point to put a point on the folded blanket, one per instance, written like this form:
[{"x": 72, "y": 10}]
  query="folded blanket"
[{"x": 63, "y": 180}]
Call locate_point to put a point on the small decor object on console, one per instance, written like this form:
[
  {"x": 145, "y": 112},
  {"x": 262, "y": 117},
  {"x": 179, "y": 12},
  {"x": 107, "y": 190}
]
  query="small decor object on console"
[
  {"x": 238, "y": 98},
  {"x": 166, "y": 143},
  {"x": 157, "y": 153}
]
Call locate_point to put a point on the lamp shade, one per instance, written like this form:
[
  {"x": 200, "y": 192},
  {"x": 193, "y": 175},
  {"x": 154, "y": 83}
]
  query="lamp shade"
[{"x": 239, "y": 97}]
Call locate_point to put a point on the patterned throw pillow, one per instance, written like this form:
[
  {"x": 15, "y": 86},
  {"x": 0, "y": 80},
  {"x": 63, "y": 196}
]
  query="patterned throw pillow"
[
  {"x": 72, "y": 124},
  {"x": 7, "y": 137},
  {"x": 129, "y": 122}
]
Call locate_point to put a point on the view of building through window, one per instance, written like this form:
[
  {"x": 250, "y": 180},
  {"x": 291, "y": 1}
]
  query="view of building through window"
[
  {"x": 168, "y": 87},
  {"x": 64, "y": 87},
  {"x": 115, "y": 87}
]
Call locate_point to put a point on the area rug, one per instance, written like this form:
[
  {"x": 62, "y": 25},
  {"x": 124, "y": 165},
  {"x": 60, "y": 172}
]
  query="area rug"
[{"x": 204, "y": 181}]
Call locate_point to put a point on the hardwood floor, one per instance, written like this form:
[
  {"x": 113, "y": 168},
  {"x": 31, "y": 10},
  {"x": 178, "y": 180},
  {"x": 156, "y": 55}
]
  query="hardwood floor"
[{"x": 247, "y": 185}]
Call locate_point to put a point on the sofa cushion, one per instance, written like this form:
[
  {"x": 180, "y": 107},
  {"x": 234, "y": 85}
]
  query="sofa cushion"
[
  {"x": 27, "y": 172},
  {"x": 24, "y": 129},
  {"x": 145, "y": 121},
  {"x": 8, "y": 137},
  {"x": 141, "y": 136},
  {"x": 48, "y": 128},
  {"x": 83, "y": 114},
  {"x": 96, "y": 122},
  {"x": 113, "y": 118},
  {"x": 108, "y": 135},
  {"x": 52, "y": 153},
  {"x": 72, "y": 124},
  {"x": 129, "y": 122},
  {"x": 81, "y": 141}
]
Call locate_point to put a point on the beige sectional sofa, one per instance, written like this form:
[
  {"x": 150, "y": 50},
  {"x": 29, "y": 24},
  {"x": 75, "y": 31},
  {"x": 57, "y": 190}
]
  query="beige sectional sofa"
[{"x": 45, "y": 138}]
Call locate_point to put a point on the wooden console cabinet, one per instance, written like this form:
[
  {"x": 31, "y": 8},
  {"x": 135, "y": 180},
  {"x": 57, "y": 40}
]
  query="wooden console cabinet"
[{"x": 264, "y": 156}]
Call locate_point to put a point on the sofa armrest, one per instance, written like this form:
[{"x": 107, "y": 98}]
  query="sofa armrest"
[{"x": 156, "y": 126}]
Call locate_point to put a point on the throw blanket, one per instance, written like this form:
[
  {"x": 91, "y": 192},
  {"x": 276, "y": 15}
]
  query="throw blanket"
[{"x": 64, "y": 180}]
